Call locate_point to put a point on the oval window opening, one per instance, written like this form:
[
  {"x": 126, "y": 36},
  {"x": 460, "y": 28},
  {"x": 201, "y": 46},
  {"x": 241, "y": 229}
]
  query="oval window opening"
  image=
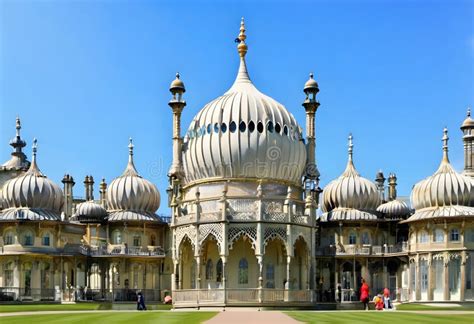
[
  {"x": 232, "y": 127},
  {"x": 277, "y": 128},
  {"x": 216, "y": 127},
  {"x": 285, "y": 130},
  {"x": 209, "y": 128},
  {"x": 242, "y": 126},
  {"x": 270, "y": 126},
  {"x": 223, "y": 128},
  {"x": 251, "y": 126},
  {"x": 260, "y": 127}
]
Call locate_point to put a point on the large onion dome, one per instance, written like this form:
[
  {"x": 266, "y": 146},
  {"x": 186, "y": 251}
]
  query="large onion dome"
[
  {"x": 446, "y": 193},
  {"x": 350, "y": 197},
  {"x": 32, "y": 196},
  {"x": 89, "y": 212},
  {"x": 130, "y": 197},
  {"x": 244, "y": 134}
]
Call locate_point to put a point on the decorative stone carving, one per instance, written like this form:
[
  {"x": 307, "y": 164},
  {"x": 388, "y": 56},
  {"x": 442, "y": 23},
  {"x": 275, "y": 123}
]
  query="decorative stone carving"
[
  {"x": 242, "y": 209},
  {"x": 234, "y": 233}
]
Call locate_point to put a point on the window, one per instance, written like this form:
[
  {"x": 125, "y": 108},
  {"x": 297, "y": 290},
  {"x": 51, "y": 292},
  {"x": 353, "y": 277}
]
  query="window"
[
  {"x": 216, "y": 128},
  {"x": 153, "y": 240},
  {"x": 46, "y": 239},
  {"x": 8, "y": 239},
  {"x": 8, "y": 275},
  {"x": 277, "y": 128},
  {"x": 352, "y": 238},
  {"x": 251, "y": 126},
  {"x": 209, "y": 129},
  {"x": 260, "y": 127},
  {"x": 209, "y": 269},
  {"x": 365, "y": 238},
  {"x": 223, "y": 128},
  {"x": 270, "y": 275},
  {"x": 270, "y": 126},
  {"x": 242, "y": 126},
  {"x": 137, "y": 240},
  {"x": 423, "y": 237},
  {"x": 438, "y": 235},
  {"x": 243, "y": 271},
  {"x": 424, "y": 275},
  {"x": 219, "y": 271},
  {"x": 232, "y": 127},
  {"x": 28, "y": 239},
  {"x": 285, "y": 130},
  {"x": 454, "y": 237},
  {"x": 469, "y": 236},
  {"x": 116, "y": 237}
]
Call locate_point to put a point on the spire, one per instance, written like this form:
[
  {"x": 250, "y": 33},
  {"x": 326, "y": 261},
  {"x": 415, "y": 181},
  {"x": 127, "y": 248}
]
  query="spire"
[
  {"x": 350, "y": 147},
  {"x": 445, "y": 145},
  {"x": 17, "y": 143},
  {"x": 468, "y": 112},
  {"x": 34, "y": 166},
  {"x": 350, "y": 169},
  {"x": 242, "y": 75},
  {"x": 130, "y": 170}
]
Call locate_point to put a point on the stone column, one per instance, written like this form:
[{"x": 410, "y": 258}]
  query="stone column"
[
  {"x": 198, "y": 272},
  {"x": 463, "y": 276},
  {"x": 260, "y": 278},
  {"x": 430, "y": 277},
  {"x": 446, "y": 277},
  {"x": 224, "y": 276},
  {"x": 418, "y": 278},
  {"x": 287, "y": 284}
]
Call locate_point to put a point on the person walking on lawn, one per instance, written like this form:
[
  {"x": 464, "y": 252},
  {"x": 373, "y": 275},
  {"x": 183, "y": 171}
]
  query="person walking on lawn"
[{"x": 364, "y": 294}]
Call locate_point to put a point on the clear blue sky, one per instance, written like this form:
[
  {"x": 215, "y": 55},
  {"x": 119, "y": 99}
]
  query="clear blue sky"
[{"x": 85, "y": 75}]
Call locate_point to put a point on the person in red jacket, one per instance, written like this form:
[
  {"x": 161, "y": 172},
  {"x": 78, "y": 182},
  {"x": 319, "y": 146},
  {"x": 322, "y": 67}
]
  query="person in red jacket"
[{"x": 364, "y": 294}]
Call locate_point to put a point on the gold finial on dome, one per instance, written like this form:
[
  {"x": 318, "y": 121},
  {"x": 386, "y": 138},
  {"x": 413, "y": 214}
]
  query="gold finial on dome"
[
  {"x": 351, "y": 146},
  {"x": 242, "y": 47}
]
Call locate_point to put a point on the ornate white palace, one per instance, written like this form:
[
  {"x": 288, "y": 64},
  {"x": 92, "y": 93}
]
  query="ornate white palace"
[{"x": 247, "y": 225}]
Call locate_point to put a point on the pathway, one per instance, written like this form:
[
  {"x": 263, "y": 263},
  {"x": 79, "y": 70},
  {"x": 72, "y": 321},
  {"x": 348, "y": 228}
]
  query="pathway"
[{"x": 251, "y": 317}]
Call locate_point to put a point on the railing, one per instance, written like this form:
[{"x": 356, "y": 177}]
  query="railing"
[
  {"x": 242, "y": 296},
  {"x": 23, "y": 293},
  {"x": 121, "y": 250},
  {"x": 363, "y": 250}
]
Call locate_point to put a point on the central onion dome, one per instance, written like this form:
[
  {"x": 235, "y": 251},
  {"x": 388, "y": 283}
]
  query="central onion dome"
[
  {"x": 32, "y": 196},
  {"x": 131, "y": 197},
  {"x": 244, "y": 134},
  {"x": 445, "y": 193},
  {"x": 350, "y": 197}
]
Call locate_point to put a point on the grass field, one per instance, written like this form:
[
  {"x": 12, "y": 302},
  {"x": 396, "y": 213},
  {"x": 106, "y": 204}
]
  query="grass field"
[
  {"x": 378, "y": 317},
  {"x": 78, "y": 307},
  {"x": 447, "y": 306},
  {"x": 110, "y": 317}
]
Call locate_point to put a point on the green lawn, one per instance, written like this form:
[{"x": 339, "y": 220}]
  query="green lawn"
[
  {"x": 414, "y": 306},
  {"x": 377, "y": 317},
  {"x": 78, "y": 306},
  {"x": 110, "y": 317}
]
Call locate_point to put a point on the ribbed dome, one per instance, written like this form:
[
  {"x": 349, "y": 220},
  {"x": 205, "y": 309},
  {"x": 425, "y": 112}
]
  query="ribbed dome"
[
  {"x": 89, "y": 211},
  {"x": 33, "y": 190},
  {"x": 394, "y": 209},
  {"x": 244, "y": 134},
  {"x": 351, "y": 191},
  {"x": 468, "y": 122},
  {"x": 132, "y": 192},
  {"x": 445, "y": 187}
]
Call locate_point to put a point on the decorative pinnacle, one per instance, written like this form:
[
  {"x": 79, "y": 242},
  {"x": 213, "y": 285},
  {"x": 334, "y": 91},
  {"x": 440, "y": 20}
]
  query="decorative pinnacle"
[
  {"x": 445, "y": 144},
  {"x": 35, "y": 146},
  {"x": 242, "y": 47},
  {"x": 351, "y": 146},
  {"x": 130, "y": 147},
  {"x": 468, "y": 112},
  {"x": 18, "y": 126}
]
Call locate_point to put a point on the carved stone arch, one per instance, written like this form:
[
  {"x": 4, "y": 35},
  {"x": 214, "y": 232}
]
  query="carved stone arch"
[
  {"x": 181, "y": 232},
  {"x": 209, "y": 237},
  {"x": 275, "y": 236},
  {"x": 214, "y": 230},
  {"x": 234, "y": 233},
  {"x": 185, "y": 238}
]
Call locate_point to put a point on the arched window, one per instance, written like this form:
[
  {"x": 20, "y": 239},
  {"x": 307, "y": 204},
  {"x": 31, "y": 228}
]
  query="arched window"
[
  {"x": 454, "y": 235},
  {"x": 352, "y": 238},
  {"x": 28, "y": 239},
  {"x": 46, "y": 239},
  {"x": 219, "y": 271},
  {"x": 270, "y": 275},
  {"x": 8, "y": 274},
  {"x": 8, "y": 238},
  {"x": 116, "y": 237},
  {"x": 153, "y": 240},
  {"x": 365, "y": 238},
  {"x": 423, "y": 237},
  {"x": 438, "y": 235},
  {"x": 209, "y": 269},
  {"x": 243, "y": 271},
  {"x": 137, "y": 240}
]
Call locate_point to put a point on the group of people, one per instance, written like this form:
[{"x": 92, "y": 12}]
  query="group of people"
[{"x": 381, "y": 301}]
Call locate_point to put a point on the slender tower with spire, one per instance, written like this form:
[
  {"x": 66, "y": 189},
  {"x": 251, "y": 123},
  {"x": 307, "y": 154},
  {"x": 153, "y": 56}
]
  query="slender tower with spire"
[
  {"x": 467, "y": 128},
  {"x": 18, "y": 160}
]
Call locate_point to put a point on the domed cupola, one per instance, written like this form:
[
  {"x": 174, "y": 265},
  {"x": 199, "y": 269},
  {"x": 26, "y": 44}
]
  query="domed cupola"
[
  {"x": 446, "y": 193},
  {"x": 350, "y": 197},
  {"x": 395, "y": 208},
  {"x": 89, "y": 212},
  {"x": 130, "y": 197},
  {"x": 244, "y": 134},
  {"x": 32, "y": 196},
  {"x": 18, "y": 160}
]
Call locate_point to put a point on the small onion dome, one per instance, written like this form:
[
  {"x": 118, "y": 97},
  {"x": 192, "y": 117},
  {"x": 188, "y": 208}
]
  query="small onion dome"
[
  {"x": 350, "y": 197},
  {"x": 130, "y": 192},
  {"x": 468, "y": 122},
  {"x": 32, "y": 196},
  {"x": 177, "y": 85},
  {"x": 311, "y": 85},
  {"x": 394, "y": 209},
  {"x": 446, "y": 191},
  {"x": 89, "y": 211}
]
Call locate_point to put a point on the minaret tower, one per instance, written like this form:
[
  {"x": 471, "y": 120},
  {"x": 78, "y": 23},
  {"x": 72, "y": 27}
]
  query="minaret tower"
[
  {"x": 68, "y": 182},
  {"x": 311, "y": 105},
  {"x": 467, "y": 128},
  {"x": 392, "y": 187},
  {"x": 18, "y": 160},
  {"x": 380, "y": 182},
  {"x": 177, "y": 104}
]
